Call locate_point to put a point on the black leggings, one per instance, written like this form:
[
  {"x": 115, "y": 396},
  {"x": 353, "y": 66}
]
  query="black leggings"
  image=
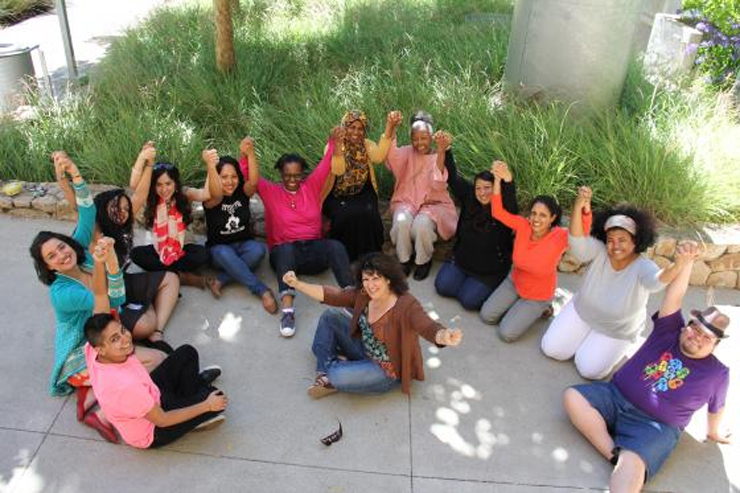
[
  {"x": 180, "y": 385},
  {"x": 147, "y": 258}
]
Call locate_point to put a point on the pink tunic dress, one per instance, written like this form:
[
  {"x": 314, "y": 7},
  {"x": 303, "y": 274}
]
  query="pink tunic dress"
[{"x": 421, "y": 187}]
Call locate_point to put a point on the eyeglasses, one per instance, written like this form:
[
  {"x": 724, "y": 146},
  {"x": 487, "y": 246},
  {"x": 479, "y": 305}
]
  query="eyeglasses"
[
  {"x": 164, "y": 166},
  {"x": 697, "y": 329}
]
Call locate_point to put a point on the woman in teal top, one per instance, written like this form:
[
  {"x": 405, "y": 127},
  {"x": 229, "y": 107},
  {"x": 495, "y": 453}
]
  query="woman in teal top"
[{"x": 63, "y": 263}]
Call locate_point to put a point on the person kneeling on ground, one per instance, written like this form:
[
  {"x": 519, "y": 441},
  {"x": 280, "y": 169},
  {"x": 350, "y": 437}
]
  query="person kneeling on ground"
[
  {"x": 379, "y": 340},
  {"x": 635, "y": 420},
  {"x": 147, "y": 410}
]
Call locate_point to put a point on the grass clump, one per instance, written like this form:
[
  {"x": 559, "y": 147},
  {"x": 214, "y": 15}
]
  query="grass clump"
[
  {"x": 301, "y": 64},
  {"x": 12, "y": 11}
]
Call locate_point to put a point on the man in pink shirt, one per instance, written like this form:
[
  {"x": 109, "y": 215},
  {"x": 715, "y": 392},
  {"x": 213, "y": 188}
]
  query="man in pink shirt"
[
  {"x": 149, "y": 410},
  {"x": 293, "y": 226}
]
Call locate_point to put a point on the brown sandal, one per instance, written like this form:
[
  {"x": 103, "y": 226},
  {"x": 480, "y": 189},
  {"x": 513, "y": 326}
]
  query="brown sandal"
[{"x": 321, "y": 387}]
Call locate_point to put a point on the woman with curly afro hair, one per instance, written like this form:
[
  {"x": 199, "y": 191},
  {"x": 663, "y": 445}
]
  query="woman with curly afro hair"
[{"x": 605, "y": 319}]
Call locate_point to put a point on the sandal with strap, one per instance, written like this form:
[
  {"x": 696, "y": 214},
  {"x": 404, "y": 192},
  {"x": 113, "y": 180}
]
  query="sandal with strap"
[{"x": 321, "y": 387}]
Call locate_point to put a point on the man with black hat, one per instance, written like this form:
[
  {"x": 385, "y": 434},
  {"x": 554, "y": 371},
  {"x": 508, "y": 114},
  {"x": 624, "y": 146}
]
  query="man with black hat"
[{"x": 635, "y": 420}]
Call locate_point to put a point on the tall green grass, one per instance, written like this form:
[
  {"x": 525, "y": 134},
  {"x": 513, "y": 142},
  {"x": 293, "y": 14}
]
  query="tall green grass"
[{"x": 302, "y": 63}]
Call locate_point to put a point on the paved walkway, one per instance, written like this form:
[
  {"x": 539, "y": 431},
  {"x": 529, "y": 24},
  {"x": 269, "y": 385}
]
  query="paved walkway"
[{"x": 488, "y": 417}]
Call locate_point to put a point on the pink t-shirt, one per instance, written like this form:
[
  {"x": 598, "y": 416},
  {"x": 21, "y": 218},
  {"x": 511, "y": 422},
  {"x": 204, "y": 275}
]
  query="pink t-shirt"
[
  {"x": 421, "y": 187},
  {"x": 295, "y": 216},
  {"x": 126, "y": 393}
]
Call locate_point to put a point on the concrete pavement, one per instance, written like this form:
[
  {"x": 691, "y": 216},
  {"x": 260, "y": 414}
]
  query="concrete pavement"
[{"x": 488, "y": 417}]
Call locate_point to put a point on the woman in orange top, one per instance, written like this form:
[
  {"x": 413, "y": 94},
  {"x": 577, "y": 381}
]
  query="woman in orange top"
[{"x": 538, "y": 245}]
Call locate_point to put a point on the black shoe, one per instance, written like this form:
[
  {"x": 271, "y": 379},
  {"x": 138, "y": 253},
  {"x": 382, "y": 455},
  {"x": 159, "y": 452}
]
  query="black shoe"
[
  {"x": 422, "y": 271},
  {"x": 407, "y": 267},
  {"x": 210, "y": 374}
]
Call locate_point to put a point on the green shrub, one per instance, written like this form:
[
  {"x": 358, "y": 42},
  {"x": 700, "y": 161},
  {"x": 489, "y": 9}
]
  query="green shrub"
[{"x": 12, "y": 11}]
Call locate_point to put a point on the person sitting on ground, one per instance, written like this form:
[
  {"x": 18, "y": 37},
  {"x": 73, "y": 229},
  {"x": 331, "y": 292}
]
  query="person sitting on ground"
[
  {"x": 421, "y": 205},
  {"x": 380, "y": 340},
  {"x": 231, "y": 241},
  {"x": 293, "y": 226},
  {"x": 150, "y": 296},
  {"x": 481, "y": 257},
  {"x": 351, "y": 203},
  {"x": 538, "y": 245},
  {"x": 634, "y": 421},
  {"x": 63, "y": 264},
  {"x": 598, "y": 333},
  {"x": 167, "y": 214},
  {"x": 148, "y": 411}
]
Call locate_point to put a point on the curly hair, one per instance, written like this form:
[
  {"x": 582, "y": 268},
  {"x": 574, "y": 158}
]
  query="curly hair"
[
  {"x": 385, "y": 266},
  {"x": 46, "y": 275},
  {"x": 122, "y": 233},
  {"x": 291, "y": 158},
  {"x": 181, "y": 201},
  {"x": 646, "y": 233},
  {"x": 552, "y": 205}
]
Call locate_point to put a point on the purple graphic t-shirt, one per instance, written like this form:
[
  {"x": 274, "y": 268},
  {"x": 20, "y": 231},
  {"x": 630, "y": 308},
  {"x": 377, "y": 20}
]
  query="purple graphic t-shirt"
[{"x": 669, "y": 386}]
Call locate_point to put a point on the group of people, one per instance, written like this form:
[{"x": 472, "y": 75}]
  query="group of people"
[{"x": 502, "y": 265}]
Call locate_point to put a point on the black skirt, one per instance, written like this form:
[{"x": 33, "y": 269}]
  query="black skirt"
[
  {"x": 355, "y": 221},
  {"x": 141, "y": 289}
]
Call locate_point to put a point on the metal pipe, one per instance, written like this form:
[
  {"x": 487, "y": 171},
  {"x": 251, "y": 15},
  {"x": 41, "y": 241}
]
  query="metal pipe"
[{"x": 61, "y": 8}]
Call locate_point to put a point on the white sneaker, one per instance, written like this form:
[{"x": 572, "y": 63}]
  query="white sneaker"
[
  {"x": 210, "y": 424},
  {"x": 287, "y": 324}
]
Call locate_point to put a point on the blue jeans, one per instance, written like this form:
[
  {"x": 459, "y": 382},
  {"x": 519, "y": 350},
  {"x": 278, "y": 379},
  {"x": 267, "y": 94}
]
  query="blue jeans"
[
  {"x": 452, "y": 282},
  {"x": 237, "y": 262},
  {"x": 357, "y": 374},
  {"x": 310, "y": 257}
]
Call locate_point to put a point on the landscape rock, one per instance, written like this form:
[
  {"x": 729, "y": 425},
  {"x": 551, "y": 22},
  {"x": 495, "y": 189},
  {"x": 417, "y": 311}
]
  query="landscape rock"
[
  {"x": 726, "y": 279},
  {"x": 699, "y": 273}
]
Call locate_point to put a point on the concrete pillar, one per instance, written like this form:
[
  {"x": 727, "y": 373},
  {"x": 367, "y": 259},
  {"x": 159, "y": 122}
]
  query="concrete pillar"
[{"x": 571, "y": 50}]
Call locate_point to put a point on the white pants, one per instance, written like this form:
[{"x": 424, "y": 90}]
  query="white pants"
[
  {"x": 595, "y": 354},
  {"x": 410, "y": 234}
]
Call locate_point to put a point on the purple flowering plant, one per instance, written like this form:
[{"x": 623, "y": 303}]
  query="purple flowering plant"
[{"x": 718, "y": 54}]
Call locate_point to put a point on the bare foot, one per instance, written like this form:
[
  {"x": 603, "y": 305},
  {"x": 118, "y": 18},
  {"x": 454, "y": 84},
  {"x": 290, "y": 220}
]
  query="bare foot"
[
  {"x": 156, "y": 335},
  {"x": 269, "y": 303},
  {"x": 214, "y": 285}
]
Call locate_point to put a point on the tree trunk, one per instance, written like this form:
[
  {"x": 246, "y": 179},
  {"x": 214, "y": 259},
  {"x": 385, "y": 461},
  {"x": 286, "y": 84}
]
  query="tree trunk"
[{"x": 225, "y": 59}]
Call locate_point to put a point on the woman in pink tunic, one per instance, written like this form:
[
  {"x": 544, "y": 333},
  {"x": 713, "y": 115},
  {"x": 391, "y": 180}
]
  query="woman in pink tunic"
[{"x": 421, "y": 205}]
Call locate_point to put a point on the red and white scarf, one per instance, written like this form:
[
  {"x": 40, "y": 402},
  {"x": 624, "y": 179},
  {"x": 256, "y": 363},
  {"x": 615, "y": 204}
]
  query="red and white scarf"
[{"x": 169, "y": 233}]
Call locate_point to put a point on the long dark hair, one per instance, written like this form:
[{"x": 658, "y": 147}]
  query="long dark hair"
[
  {"x": 123, "y": 234},
  {"x": 552, "y": 205},
  {"x": 181, "y": 201},
  {"x": 230, "y": 161},
  {"x": 46, "y": 275}
]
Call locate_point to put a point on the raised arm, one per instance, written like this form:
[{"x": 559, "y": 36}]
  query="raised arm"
[
  {"x": 686, "y": 254},
  {"x": 315, "y": 291},
  {"x": 581, "y": 206},
  {"x": 252, "y": 176},
  {"x": 83, "y": 198},
  {"x": 63, "y": 184},
  {"x": 211, "y": 193},
  {"x": 501, "y": 173},
  {"x": 379, "y": 151},
  {"x": 444, "y": 141},
  {"x": 142, "y": 168},
  {"x": 141, "y": 161}
]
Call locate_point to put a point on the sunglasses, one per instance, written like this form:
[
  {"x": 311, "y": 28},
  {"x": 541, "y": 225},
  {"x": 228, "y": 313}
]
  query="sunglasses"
[
  {"x": 164, "y": 166},
  {"x": 698, "y": 330}
]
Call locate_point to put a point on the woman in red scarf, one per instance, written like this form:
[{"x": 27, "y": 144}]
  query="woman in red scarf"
[{"x": 168, "y": 214}]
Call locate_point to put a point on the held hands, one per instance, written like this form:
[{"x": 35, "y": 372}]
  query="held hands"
[
  {"x": 290, "y": 279},
  {"x": 63, "y": 164},
  {"x": 688, "y": 251},
  {"x": 337, "y": 135},
  {"x": 246, "y": 146},
  {"x": 443, "y": 140},
  {"x": 500, "y": 171},
  {"x": 394, "y": 118},
  {"x": 583, "y": 200},
  {"x": 210, "y": 157},
  {"x": 148, "y": 153},
  {"x": 103, "y": 249},
  {"x": 449, "y": 337},
  {"x": 216, "y": 401}
]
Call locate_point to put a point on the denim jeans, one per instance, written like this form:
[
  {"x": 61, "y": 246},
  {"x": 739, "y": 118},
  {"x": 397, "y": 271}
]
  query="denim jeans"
[
  {"x": 357, "y": 374},
  {"x": 237, "y": 262},
  {"x": 310, "y": 257},
  {"x": 452, "y": 282}
]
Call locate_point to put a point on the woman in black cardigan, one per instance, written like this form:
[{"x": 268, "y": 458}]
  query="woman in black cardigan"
[{"x": 481, "y": 258}]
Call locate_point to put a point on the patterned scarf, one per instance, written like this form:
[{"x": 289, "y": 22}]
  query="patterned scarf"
[
  {"x": 374, "y": 347},
  {"x": 357, "y": 159},
  {"x": 169, "y": 232}
]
